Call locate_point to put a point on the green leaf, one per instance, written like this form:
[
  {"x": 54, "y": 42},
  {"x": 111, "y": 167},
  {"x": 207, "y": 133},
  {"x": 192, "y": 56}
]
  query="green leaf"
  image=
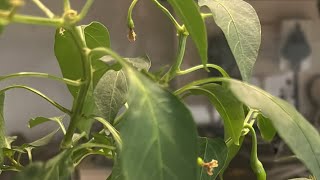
[
  {"x": 60, "y": 167},
  {"x": 68, "y": 55},
  {"x": 2, "y": 129},
  {"x": 39, "y": 120},
  {"x": 292, "y": 127},
  {"x": 111, "y": 93},
  {"x": 266, "y": 128},
  {"x": 229, "y": 108},
  {"x": 158, "y": 133},
  {"x": 189, "y": 13},
  {"x": 240, "y": 24},
  {"x": 44, "y": 140},
  {"x": 212, "y": 149}
]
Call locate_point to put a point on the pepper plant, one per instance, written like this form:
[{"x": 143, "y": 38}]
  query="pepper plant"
[{"x": 155, "y": 136}]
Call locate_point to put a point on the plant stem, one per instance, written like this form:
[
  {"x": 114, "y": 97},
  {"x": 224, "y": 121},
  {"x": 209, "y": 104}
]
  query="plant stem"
[
  {"x": 112, "y": 130},
  {"x": 256, "y": 165},
  {"x": 197, "y": 83},
  {"x": 167, "y": 12},
  {"x": 41, "y": 75},
  {"x": 85, "y": 9},
  {"x": 46, "y": 10},
  {"x": 24, "y": 19},
  {"x": 77, "y": 34},
  {"x": 129, "y": 18},
  {"x": 61, "y": 108},
  {"x": 187, "y": 71},
  {"x": 66, "y": 5},
  {"x": 175, "y": 68}
]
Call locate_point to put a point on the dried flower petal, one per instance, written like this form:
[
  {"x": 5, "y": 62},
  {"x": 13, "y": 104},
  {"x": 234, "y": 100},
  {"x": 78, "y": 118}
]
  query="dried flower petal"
[{"x": 132, "y": 35}]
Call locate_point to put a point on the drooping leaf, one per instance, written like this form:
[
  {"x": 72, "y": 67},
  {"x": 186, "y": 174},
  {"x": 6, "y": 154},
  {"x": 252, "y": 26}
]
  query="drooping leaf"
[
  {"x": 44, "y": 140},
  {"x": 292, "y": 127},
  {"x": 165, "y": 137},
  {"x": 266, "y": 128},
  {"x": 189, "y": 13},
  {"x": 229, "y": 108},
  {"x": 60, "y": 167},
  {"x": 2, "y": 129},
  {"x": 240, "y": 24},
  {"x": 39, "y": 120},
  {"x": 212, "y": 149}
]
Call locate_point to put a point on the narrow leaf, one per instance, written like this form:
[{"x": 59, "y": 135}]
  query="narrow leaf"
[
  {"x": 229, "y": 108},
  {"x": 189, "y": 13},
  {"x": 266, "y": 128},
  {"x": 2, "y": 129},
  {"x": 164, "y": 133},
  {"x": 44, "y": 140},
  {"x": 241, "y": 26},
  {"x": 293, "y": 128},
  {"x": 212, "y": 149},
  {"x": 40, "y": 120}
]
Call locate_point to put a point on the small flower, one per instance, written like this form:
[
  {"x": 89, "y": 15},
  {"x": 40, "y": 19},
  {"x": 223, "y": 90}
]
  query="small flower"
[
  {"x": 209, "y": 165},
  {"x": 132, "y": 35}
]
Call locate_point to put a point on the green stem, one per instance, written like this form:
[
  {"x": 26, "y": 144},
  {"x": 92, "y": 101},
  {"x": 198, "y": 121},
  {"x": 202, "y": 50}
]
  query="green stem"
[
  {"x": 187, "y": 71},
  {"x": 85, "y": 9},
  {"x": 41, "y": 75},
  {"x": 129, "y": 18},
  {"x": 66, "y": 5},
  {"x": 44, "y": 9},
  {"x": 61, "y": 108},
  {"x": 112, "y": 130},
  {"x": 77, "y": 109},
  {"x": 175, "y": 68},
  {"x": 256, "y": 165},
  {"x": 197, "y": 83},
  {"x": 167, "y": 12},
  {"x": 63, "y": 129},
  {"x": 24, "y": 19}
]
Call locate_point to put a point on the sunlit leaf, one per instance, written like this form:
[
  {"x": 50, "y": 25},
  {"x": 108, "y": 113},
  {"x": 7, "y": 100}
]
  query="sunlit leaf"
[
  {"x": 292, "y": 127},
  {"x": 240, "y": 24},
  {"x": 189, "y": 13},
  {"x": 212, "y": 149},
  {"x": 165, "y": 137}
]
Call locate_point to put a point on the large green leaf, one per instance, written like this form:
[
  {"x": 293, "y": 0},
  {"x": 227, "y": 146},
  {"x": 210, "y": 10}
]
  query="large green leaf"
[
  {"x": 158, "y": 133},
  {"x": 2, "y": 129},
  {"x": 69, "y": 57},
  {"x": 212, "y": 149},
  {"x": 58, "y": 168},
  {"x": 240, "y": 24},
  {"x": 293, "y": 128},
  {"x": 229, "y": 108},
  {"x": 189, "y": 13},
  {"x": 266, "y": 128}
]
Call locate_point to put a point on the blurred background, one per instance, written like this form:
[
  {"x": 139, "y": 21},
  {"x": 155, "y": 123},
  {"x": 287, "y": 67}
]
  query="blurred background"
[{"x": 287, "y": 66}]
